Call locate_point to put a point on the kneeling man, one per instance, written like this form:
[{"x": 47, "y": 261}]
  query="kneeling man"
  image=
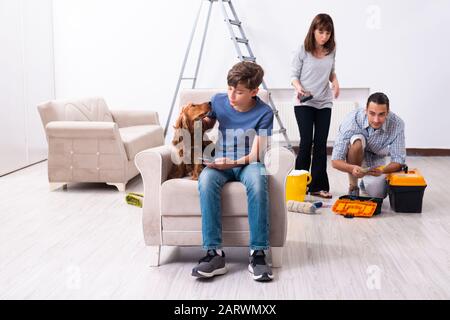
[{"x": 365, "y": 138}]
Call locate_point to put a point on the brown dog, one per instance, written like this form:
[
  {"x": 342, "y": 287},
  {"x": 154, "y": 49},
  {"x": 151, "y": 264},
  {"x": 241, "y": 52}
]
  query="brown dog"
[{"x": 187, "y": 140}]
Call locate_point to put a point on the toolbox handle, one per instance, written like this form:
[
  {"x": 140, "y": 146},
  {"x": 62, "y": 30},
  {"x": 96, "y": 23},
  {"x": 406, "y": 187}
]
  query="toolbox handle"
[{"x": 405, "y": 168}]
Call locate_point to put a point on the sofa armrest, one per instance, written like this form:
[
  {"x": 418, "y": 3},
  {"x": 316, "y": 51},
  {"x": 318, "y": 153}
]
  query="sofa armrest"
[
  {"x": 126, "y": 118},
  {"x": 82, "y": 129},
  {"x": 279, "y": 162},
  {"x": 154, "y": 165}
]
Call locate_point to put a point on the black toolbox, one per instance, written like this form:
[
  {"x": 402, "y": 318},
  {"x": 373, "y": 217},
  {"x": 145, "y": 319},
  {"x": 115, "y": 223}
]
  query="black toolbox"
[{"x": 406, "y": 190}]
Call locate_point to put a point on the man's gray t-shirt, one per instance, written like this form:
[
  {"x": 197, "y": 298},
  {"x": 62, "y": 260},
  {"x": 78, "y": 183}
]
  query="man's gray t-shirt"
[{"x": 314, "y": 75}]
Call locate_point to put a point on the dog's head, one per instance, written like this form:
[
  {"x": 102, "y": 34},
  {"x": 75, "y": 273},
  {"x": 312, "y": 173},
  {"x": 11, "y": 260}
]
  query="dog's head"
[{"x": 190, "y": 114}]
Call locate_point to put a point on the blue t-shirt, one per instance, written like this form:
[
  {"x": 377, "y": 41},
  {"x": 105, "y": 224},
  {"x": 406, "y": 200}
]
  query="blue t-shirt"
[{"x": 237, "y": 130}]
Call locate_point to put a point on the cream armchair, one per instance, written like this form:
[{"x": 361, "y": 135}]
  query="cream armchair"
[
  {"x": 171, "y": 211},
  {"x": 87, "y": 142}
]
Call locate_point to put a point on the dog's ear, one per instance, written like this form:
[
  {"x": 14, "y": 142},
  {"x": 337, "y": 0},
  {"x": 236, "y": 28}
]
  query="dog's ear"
[
  {"x": 186, "y": 122},
  {"x": 178, "y": 132},
  {"x": 177, "y": 137},
  {"x": 179, "y": 121},
  {"x": 182, "y": 120},
  {"x": 189, "y": 105}
]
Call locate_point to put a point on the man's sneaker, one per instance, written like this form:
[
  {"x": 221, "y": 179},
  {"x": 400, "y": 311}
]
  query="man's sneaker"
[
  {"x": 210, "y": 265},
  {"x": 353, "y": 191},
  {"x": 362, "y": 189},
  {"x": 258, "y": 267}
]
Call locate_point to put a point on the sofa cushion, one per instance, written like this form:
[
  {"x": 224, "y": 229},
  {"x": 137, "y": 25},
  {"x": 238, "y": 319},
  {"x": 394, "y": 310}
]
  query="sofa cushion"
[
  {"x": 88, "y": 109},
  {"x": 138, "y": 138},
  {"x": 187, "y": 203}
]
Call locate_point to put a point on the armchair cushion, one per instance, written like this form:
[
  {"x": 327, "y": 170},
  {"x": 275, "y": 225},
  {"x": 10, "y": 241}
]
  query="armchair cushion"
[
  {"x": 129, "y": 118},
  {"x": 138, "y": 138},
  {"x": 234, "y": 198},
  {"x": 88, "y": 109}
]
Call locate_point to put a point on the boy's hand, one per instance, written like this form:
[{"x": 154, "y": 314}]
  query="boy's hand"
[{"x": 221, "y": 164}]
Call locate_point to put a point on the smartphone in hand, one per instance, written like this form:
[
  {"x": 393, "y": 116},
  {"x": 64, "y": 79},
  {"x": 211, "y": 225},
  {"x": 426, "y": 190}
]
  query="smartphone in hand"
[
  {"x": 206, "y": 159},
  {"x": 367, "y": 169},
  {"x": 306, "y": 98}
]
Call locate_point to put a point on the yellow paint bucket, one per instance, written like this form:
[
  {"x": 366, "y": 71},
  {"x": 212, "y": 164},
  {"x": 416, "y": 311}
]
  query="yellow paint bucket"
[{"x": 296, "y": 184}]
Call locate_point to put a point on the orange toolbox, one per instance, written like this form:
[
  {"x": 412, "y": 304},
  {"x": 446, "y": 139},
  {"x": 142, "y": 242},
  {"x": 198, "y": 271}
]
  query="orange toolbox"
[{"x": 350, "y": 206}]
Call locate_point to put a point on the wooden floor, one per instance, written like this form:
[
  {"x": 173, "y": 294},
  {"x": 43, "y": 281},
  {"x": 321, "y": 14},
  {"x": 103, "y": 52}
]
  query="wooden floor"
[{"x": 87, "y": 243}]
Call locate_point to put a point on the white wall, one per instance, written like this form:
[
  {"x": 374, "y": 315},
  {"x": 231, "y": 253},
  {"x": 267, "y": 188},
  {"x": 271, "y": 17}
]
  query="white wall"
[
  {"x": 130, "y": 52},
  {"x": 26, "y": 78}
]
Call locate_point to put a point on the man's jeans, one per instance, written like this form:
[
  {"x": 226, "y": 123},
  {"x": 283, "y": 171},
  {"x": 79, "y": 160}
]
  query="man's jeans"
[{"x": 210, "y": 184}]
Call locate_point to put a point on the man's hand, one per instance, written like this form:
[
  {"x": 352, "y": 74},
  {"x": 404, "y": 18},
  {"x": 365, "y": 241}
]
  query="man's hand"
[
  {"x": 375, "y": 172},
  {"x": 221, "y": 164},
  {"x": 358, "y": 172}
]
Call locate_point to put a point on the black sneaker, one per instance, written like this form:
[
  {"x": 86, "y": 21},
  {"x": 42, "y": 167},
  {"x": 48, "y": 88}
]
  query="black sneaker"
[
  {"x": 259, "y": 268},
  {"x": 353, "y": 191},
  {"x": 210, "y": 265}
]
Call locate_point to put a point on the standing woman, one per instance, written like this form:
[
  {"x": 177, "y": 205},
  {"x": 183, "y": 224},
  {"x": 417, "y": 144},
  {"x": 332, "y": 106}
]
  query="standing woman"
[{"x": 312, "y": 72}]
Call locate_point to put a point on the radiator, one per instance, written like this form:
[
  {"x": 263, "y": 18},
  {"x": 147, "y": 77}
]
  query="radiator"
[
  {"x": 287, "y": 115},
  {"x": 338, "y": 114}
]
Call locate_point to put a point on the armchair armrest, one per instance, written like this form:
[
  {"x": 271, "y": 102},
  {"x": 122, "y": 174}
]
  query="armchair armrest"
[
  {"x": 279, "y": 162},
  {"x": 154, "y": 165},
  {"x": 82, "y": 129},
  {"x": 126, "y": 118}
]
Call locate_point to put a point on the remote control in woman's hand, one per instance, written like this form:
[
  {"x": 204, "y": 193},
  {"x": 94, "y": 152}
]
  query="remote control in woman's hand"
[{"x": 306, "y": 98}]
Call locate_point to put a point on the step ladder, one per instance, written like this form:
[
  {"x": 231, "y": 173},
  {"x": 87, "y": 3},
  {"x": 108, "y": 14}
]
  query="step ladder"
[{"x": 234, "y": 24}]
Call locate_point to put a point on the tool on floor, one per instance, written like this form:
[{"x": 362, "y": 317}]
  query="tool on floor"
[
  {"x": 303, "y": 207},
  {"x": 238, "y": 40},
  {"x": 135, "y": 199}
]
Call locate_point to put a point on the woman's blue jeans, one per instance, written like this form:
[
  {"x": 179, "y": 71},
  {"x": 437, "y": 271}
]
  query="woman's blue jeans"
[{"x": 210, "y": 184}]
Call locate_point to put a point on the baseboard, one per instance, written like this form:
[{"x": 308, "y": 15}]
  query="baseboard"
[
  {"x": 418, "y": 152},
  {"x": 428, "y": 152},
  {"x": 21, "y": 168}
]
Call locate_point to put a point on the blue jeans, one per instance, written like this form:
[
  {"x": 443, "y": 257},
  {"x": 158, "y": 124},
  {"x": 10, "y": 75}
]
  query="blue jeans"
[{"x": 210, "y": 184}]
